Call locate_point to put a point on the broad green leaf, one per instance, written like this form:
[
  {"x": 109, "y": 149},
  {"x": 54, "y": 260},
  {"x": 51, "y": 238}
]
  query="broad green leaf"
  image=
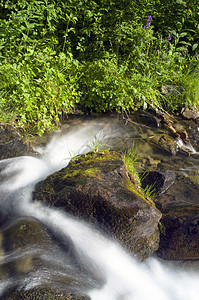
[{"x": 194, "y": 47}]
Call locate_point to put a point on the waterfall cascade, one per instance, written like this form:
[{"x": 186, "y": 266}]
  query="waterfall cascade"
[{"x": 94, "y": 265}]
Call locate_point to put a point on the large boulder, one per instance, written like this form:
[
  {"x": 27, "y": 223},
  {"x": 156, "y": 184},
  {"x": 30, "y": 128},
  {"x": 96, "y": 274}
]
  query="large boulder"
[
  {"x": 179, "y": 229},
  {"x": 11, "y": 143},
  {"x": 180, "y": 234},
  {"x": 96, "y": 187}
]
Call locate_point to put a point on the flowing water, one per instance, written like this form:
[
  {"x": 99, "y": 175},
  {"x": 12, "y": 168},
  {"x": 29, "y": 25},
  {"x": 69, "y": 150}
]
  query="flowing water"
[{"x": 76, "y": 256}]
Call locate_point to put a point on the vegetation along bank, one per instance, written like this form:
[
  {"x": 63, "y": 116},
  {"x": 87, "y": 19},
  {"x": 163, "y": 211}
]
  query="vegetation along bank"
[{"x": 57, "y": 57}]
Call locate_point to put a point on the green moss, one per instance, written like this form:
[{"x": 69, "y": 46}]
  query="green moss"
[
  {"x": 130, "y": 159},
  {"x": 88, "y": 158},
  {"x": 91, "y": 172},
  {"x": 138, "y": 192},
  {"x": 84, "y": 165}
]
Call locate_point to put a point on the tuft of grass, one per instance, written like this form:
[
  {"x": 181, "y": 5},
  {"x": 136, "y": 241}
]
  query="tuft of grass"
[
  {"x": 149, "y": 191},
  {"x": 131, "y": 158},
  {"x": 96, "y": 141},
  {"x": 191, "y": 85}
]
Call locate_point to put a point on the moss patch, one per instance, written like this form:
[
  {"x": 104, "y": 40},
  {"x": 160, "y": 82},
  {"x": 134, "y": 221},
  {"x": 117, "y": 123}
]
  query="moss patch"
[{"x": 90, "y": 172}]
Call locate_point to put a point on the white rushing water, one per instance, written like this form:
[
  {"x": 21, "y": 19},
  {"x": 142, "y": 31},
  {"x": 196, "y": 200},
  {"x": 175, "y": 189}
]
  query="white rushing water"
[{"x": 121, "y": 276}]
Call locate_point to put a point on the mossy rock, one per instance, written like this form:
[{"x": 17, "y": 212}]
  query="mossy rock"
[{"x": 96, "y": 188}]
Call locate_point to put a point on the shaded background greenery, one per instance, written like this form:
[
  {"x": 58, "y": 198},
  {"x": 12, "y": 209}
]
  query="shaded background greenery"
[{"x": 98, "y": 55}]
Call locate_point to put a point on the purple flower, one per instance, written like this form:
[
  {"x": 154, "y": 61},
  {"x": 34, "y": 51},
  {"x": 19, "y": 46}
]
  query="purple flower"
[
  {"x": 148, "y": 22},
  {"x": 169, "y": 38}
]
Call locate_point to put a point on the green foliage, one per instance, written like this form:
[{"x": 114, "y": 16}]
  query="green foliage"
[
  {"x": 131, "y": 158},
  {"x": 102, "y": 55},
  {"x": 191, "y": 86},
  {"x": 105, "y": 86},
  {"x": 149, "y": 192},
  {"x": 38, "y": 89}
]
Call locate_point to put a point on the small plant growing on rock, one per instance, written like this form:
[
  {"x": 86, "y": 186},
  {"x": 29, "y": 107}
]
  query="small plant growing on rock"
[
  {"x": 131, "y": 158},
  {"x": 96, "y": 142}
]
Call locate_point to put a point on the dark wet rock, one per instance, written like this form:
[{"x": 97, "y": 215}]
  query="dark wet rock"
[
  {"x": 149, "y": 119},
  {"x": 96, "y": 188},
  {"x": 170, "y": 144},
  {"x": 183, "y": 192},
  {"x": 159, "y": 181},
  {"x": 180, "y": 234},
  {"x": 25, "y": 234},
  {"x": 40, "y": 294},
  {"x": 11, "y": 143},
  {"x": 179, "y": 237},
  {"x": 165, "y": 142}
]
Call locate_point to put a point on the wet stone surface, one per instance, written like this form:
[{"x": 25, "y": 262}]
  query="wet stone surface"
[
  {"x": 179, "y": 204},
  {"x": 11, "y": 143},
  {"x": 96, "y": 188}
]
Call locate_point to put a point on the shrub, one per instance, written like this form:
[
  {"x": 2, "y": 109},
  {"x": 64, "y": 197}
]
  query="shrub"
[{"x": 39, "y": 88}]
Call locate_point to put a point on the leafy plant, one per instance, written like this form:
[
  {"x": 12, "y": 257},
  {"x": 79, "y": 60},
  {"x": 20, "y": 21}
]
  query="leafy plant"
[
  {"x": 39, "y": 89},
  {"x": 99, "y": 55}
]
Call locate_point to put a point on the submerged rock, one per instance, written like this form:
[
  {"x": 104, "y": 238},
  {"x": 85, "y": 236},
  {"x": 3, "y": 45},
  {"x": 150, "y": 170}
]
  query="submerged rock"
[
  {"x": 31, "y": 259},
  {"x": 25, "y": 234},
  {"x": 11, "y": 143},
  {"x": 96, "y": 188}
]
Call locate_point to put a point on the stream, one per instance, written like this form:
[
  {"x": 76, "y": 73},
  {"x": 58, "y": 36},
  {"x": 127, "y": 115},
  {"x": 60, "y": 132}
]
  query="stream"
[{"x": 70, "y": 254}]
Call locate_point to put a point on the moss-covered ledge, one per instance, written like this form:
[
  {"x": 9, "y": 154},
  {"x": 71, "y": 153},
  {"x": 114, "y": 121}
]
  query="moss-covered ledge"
[{"x": 96, "y": 187}]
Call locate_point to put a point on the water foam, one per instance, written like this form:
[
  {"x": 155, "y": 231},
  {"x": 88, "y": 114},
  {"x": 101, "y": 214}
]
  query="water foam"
[{"x": 124, "y": 278}]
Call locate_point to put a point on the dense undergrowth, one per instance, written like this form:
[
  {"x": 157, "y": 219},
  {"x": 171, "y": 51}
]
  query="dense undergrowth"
[{"x": 107, "y": 55}]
